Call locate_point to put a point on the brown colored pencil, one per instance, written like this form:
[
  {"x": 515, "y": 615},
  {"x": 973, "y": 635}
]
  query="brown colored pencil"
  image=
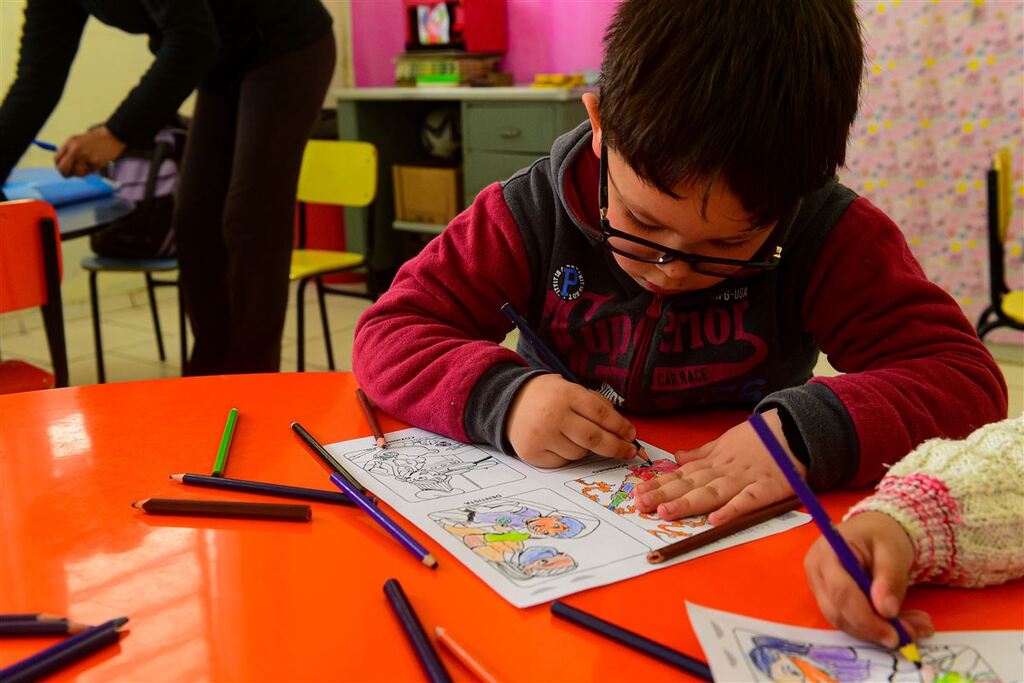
[
  {"x": 371, "y": 417},
  {"x": 721, "y": 531},
  {"x": 224, "y": 508},
  {"x": 48, "y": 627}
]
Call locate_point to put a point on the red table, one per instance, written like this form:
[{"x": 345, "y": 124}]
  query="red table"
[{"x": 241, "y": 600}]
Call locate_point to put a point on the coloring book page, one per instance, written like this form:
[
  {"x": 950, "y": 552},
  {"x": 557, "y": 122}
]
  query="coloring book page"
[
  {"x": 532, "y": 535},
  {"x": 743, "y": 649}
]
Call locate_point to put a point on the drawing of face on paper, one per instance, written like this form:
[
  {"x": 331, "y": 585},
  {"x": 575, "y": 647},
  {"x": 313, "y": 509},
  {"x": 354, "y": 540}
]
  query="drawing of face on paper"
[
  {"x": 532, "y": 537},
  {"x": 740, "y": 648},
  {"x": 613, "y": 488},
  {"x": 428, "y": 467},
  {"x": 784, "y": 660}
]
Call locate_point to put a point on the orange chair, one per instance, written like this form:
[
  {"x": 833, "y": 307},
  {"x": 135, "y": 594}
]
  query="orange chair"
[{"x": 30, "y": 275}]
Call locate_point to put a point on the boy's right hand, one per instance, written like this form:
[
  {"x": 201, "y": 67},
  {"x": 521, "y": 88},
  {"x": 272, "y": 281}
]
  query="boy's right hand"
[
  {"x": 887, "y": 553},
  {"x": 553, "y": 421}
]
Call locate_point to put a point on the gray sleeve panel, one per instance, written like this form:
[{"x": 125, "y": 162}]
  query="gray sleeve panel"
[
  {"x": 827, "y": 431},
  {"x": 489, "y": 403}
]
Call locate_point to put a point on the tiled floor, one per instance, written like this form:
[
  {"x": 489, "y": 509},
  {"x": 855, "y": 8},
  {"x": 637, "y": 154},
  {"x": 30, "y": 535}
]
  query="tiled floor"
[{"x": 130, "y": 345}]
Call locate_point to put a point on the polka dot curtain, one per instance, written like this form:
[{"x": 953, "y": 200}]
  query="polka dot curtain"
[{"x": 943, "y": 89}]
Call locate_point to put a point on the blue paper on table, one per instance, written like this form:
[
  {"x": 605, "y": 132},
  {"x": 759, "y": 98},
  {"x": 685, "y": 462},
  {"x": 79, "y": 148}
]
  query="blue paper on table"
[{"x": 50, "y": 186}]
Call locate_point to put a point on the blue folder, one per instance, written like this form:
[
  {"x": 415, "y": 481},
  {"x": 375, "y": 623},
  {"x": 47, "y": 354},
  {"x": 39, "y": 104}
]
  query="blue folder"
[{"x": 50, "y": 186}]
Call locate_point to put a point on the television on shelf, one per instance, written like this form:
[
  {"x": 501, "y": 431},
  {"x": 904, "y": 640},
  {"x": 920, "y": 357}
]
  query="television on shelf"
[{"x": 470, "y": 25}]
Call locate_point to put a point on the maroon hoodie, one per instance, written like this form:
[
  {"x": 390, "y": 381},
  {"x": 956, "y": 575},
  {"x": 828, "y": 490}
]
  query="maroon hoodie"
[{"x": 428, "y": 352}]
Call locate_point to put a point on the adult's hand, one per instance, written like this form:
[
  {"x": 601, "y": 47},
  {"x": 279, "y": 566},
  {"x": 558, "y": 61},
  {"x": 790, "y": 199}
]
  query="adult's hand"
[{"x": 85, "y": 153}]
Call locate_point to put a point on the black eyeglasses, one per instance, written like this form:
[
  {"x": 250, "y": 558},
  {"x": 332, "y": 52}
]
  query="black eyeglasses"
[{"x": 639, "y": 249}]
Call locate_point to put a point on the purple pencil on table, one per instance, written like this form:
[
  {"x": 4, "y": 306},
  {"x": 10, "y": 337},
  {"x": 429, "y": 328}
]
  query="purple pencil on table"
[
  {"x": 400, "y": 534},
  {"x": 64, "y": 653}
]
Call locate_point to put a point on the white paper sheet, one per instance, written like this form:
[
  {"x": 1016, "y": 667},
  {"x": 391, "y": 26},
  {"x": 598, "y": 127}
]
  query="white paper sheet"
[
  {"x": 743, "y": 649},
  {"x": 532, "y": 535}
]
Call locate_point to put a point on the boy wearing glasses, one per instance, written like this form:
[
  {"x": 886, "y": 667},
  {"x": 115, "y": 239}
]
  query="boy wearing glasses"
[{"x": 689, "y": 247}]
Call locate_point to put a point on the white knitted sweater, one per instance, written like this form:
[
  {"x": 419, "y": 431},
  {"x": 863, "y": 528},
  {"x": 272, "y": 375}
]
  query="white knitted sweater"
[{"x": 962, "y": 504}]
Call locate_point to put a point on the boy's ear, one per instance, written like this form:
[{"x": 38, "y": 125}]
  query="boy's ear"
[{"x": 590, "y": 103}]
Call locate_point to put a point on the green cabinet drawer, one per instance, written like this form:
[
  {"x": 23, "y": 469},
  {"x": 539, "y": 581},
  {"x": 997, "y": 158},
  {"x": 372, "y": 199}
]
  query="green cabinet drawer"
[
  {"x": 483, "y": 168},
  {"x": 510, "y": 127}
]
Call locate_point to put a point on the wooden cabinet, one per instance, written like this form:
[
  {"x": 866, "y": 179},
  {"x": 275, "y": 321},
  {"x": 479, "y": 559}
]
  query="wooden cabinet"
[{"x": 503, "y": 131}]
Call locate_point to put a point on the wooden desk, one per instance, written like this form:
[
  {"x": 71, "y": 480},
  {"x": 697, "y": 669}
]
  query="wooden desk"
[{"x": 249, "y": 601}]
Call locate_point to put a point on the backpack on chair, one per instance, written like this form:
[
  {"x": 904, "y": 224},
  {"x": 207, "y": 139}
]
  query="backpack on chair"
[{"x": 148, "y": 177}]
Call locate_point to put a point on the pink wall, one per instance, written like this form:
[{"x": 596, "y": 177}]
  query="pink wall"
[{"x": 544, "y": 36}]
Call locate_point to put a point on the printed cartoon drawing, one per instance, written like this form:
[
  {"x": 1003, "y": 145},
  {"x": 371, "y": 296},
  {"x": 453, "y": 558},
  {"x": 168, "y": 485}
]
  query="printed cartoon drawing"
[
  {"x": 526, "y": 539},
  {"x": 423, "y": 468},
  {"x": 783, "y": 660},
  {"x": 613, "y": 489}
]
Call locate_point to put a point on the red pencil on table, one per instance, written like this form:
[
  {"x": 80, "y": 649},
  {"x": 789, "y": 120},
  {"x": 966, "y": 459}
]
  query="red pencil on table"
[{"x": 371, "y": 417}]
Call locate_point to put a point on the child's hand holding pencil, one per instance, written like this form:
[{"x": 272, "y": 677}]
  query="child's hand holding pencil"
[
  {"x": 886, "y": 552},
  {"x": 553, "y": 421}
]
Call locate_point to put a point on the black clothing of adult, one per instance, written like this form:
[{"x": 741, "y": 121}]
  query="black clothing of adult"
[{"x": 195, "y": 42}]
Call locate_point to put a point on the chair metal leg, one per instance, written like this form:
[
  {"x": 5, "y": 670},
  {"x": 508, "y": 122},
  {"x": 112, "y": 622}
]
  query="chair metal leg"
[
  {"x": 323, "y": 321},
  {"x": 300, "y": 320},
  {"x": 183, "y": 326},
  {"x": 53, "y": 321},
  {"x": 151, "y": 291},
  {"x": 94, "y": 299},
  {"x": 989, "y": 310}
]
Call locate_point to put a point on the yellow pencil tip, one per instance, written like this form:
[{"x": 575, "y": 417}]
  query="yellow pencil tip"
[{"x": 911, "y": 652}]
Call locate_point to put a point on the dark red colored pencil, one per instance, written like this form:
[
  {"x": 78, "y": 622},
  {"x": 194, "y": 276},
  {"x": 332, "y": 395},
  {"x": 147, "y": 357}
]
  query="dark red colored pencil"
[{"x": 224, "y": 508}]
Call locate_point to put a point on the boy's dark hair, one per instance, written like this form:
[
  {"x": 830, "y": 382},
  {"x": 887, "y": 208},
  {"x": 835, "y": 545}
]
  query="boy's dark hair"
[{"x": 760, "y": 93}]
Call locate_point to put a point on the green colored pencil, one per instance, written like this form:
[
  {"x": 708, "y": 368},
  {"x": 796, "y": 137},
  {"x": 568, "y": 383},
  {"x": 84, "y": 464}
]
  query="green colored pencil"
[{"x": 225, "y": 444}]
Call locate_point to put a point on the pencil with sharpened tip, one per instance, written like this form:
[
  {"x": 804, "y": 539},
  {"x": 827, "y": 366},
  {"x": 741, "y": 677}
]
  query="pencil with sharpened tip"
[
  {"x": 47, "y": 627},
  {"x": 553, "y": 361},
  {"x": 224, "y": 508},
  {"x": 371, "y": 417},
  {"x": 460, "y": 654},
  {"x": 64, "y": 653},
  {"x": 225, "y": 443},
  {"x": 399, "y": 534},
  {"x": 849, "y": 561},
  {"x": 679, "y": 660},
  {"x": 325, "y": 457},
  {"x": 279, "y": 490},
  {"x": 432, "y": 664},
  {"x": 721, "y": 531},
  {"x": 33, "y": 616}
]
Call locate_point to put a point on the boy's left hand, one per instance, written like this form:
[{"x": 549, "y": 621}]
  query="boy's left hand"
[{"x": 728, "y": 477}]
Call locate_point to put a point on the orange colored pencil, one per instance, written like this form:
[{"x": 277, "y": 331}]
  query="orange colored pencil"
[{"x": 463, "y": 656}]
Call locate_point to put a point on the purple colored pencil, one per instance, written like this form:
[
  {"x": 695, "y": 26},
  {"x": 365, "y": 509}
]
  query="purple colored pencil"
[
  {"x": 400, "y": 534},
  {"x": 260, "y": 487},
  {"x": 846, "y": 557},
  {"x": 63, "y": 653},
  {"x": 432, "y": 664}
]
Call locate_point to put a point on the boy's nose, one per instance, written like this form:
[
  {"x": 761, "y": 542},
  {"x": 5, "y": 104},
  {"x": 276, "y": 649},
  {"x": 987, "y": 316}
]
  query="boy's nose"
[{"x": 675, "y": 270}]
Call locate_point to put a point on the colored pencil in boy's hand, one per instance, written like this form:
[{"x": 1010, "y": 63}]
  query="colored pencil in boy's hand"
[
  {"x": 553, "y": 361},
  {"x": 843, "y": 552}
]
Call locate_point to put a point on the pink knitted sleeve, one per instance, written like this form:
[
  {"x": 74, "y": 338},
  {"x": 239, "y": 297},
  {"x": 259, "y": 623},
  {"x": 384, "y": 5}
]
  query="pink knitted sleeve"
[{"x": 962, "y": 504}]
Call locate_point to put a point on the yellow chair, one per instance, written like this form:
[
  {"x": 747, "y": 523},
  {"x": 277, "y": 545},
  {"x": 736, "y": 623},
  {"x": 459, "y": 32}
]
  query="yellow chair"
[
  {"x": 338, "y": 173},
  {"x": 1007, "y": 307}
]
